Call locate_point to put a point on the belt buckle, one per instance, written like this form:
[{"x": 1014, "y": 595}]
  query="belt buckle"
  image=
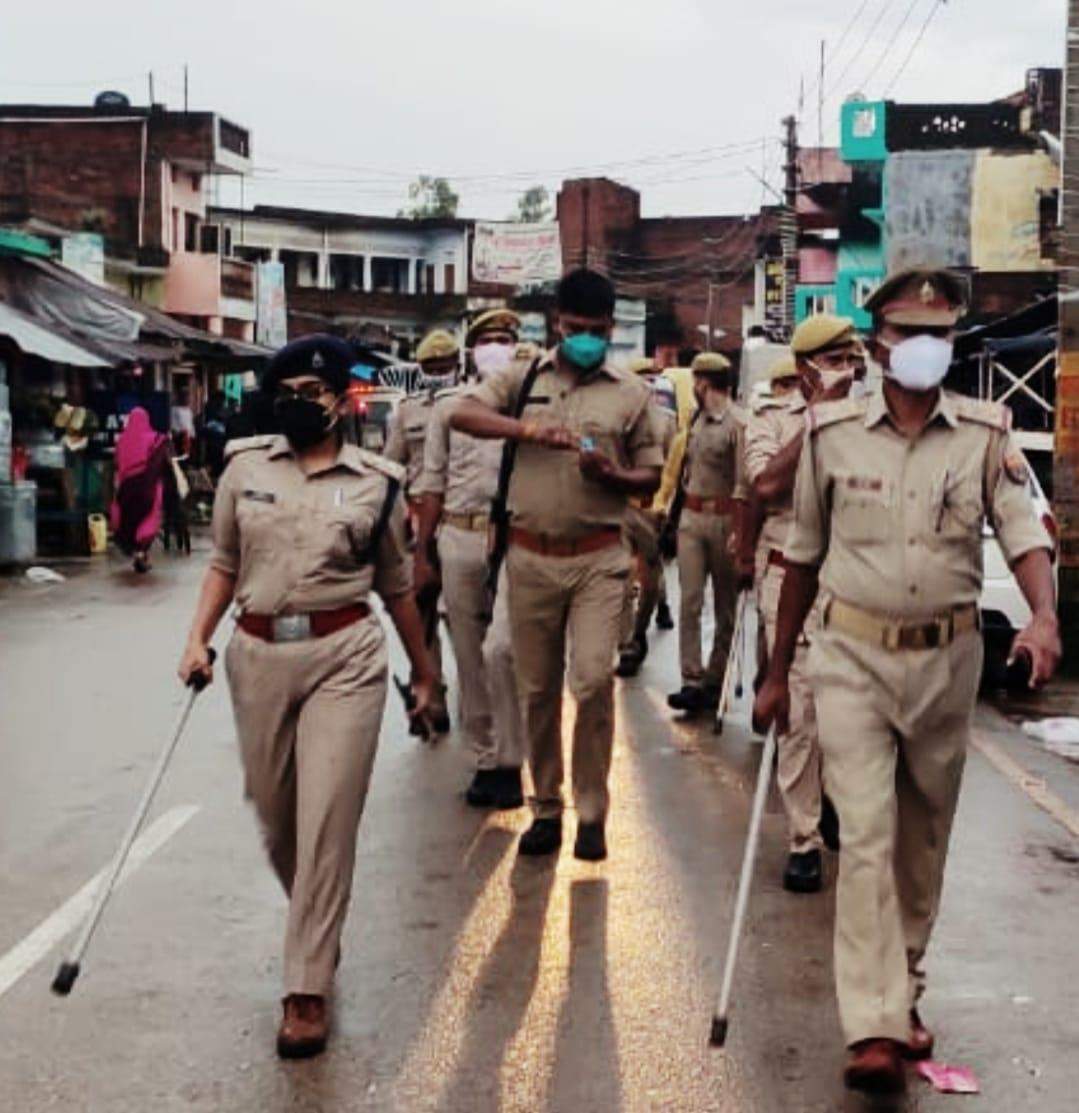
[
  {"x": 892, "y": 636},
  {"x": 291, "y": 627}
]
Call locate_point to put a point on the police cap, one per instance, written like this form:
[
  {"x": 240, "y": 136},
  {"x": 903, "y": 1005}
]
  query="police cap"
[
  {"x": 493, "y": 320},
  {"x": 642, "y": 365},
  {"x": 783, "y": 368},
  {"x": 822, "y": 331},
  {"x": 710, "y": 363},
  {"x": 328, "y": 357},
  {"x": 437, "y": 344},
  {"x": 919, "y": 296}
]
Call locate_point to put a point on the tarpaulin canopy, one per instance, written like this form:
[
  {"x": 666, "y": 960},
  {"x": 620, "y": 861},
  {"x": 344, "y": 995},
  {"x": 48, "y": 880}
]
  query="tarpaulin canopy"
[{"x": 38, "y": 339}]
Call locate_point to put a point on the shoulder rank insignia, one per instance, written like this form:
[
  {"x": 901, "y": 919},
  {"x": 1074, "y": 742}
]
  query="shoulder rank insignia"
[
  {"x": 829, "y": 413},
  {"x": 389, "y": 468},
  {"x": 994, "y": 414},
  {"x": 247, "y": 444}
]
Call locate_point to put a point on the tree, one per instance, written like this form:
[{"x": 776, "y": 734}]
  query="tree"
[
  {"x": 533, "y": 206},
  {"x": 430, "y": 197}
]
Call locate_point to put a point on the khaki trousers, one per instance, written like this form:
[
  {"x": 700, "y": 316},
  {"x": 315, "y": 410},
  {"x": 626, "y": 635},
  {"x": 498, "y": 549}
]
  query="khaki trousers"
[
  {"x": 702, "y": 554},
  {"x": 308, "y": 715},
  {"x": 894, "y": 728},
  {"x": 799, "y": 765},
  {"x": 488, "y": 707},
  {"x": 555, "y": 604},
  {"x": 643, "y": 586}
]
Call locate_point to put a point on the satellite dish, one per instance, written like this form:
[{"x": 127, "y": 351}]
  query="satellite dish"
[{"x": 111, "y": 99}]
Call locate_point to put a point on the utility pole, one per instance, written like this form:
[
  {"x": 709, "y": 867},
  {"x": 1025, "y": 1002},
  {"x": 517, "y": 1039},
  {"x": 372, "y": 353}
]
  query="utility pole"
[
  {"x": 788, "y": 223},
  {"x": 1066, "y": 432},
  {"x": 185, "y": 86},
  {"x": 150, "y": 80}
]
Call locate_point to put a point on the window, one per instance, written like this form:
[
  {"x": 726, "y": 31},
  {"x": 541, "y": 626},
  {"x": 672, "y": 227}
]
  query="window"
[
  {"x": 450, "y": 271},
  {"x": 174, "y": 242},
  {"x": 862, "y": 289},
  {"x": 191, "y": 232},
  {"x": 429, "y": 278}
]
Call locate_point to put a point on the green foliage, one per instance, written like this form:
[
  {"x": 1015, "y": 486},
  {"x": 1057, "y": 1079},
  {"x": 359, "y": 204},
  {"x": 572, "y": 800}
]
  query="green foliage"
[
  {"x": 533, "y": 206},
  {"x": 430, "y": 197}
]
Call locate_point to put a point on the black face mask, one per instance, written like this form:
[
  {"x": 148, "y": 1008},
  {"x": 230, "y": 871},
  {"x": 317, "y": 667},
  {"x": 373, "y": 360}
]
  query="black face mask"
[{"x": 303, "y": 422}]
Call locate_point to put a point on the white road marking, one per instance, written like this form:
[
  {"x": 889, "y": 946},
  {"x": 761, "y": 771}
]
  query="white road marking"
[
  {"x": 1033, "y": 786},
  {"x": 35, "y": 946}
]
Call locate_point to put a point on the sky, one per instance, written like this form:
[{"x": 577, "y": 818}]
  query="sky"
[{"x": 347, "y": 101}]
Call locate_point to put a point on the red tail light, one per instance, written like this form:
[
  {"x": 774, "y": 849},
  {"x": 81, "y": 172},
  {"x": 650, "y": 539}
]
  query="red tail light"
[{"x": 1052, "y": 529}]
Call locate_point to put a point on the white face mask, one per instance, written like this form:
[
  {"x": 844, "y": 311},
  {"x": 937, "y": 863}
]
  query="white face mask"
[
  {"x": 492, "y": 358},
  {"x": 921, "y": 362}
]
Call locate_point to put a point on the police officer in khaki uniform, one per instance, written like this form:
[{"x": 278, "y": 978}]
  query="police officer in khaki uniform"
[
  {"x": 642, "y": 526},
  {"x": 458, "y": 484},
  {"x": 828, "y": 362},
  {"x": 586, "y": 441},
  {"x": 705, "y": 531},
  {"x": 304, "y": 527},
  {"x": 891, "y": 495},
  {"x": 439, "y": 356}
]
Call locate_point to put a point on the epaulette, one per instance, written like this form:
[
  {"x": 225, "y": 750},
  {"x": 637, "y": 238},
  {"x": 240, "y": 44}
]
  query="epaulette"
[
  {"x": 389, "y": 468},
  {"x": 829, "y": 413},
  {"x": 765, "y": 402},
  {"x": 994, "y": 414},
  {"x": 247, "y": 444},
  {"x": 447, "y": 392},
  {"x": 739, "y": 413}
]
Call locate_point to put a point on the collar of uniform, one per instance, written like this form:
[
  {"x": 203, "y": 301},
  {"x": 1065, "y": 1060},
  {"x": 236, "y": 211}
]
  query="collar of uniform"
[
  {"x": 877, "y": 409},
  {"x": 347, "y": 456},
  {"x": 549, "y": 362},
  {"x": 797, "y": 402}
]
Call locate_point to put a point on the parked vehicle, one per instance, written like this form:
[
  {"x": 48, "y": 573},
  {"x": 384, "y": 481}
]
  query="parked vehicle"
[{"x": 369, "y": 414}]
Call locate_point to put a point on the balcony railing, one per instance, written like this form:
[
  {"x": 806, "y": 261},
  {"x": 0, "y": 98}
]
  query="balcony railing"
[{"x": 237, "y": 279}]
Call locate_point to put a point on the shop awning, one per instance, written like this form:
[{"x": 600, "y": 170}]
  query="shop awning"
[{"x": 37, "y": 339}]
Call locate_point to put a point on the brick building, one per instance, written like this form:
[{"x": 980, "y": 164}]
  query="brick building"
[
  {"x": 700, "y": 277},
  {"x": 138, "y": 177}
]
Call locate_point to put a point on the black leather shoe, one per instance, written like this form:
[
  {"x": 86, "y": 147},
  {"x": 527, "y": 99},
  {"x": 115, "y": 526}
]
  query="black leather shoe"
[
  {"x": 483, "y": 791},
  {"x": 591, "y": 844},
  {"x": 507, "y": 788},
  {"x": 632, "y": 657},
  {"x": 829, "y": 824},
  {"x": 543, "y": 837},
  {"x": 709, "y": 698},
  {"x": 690, "y": 699},
  {"x": 664, "y": 618},
  {"x": 803, "y": 873}
]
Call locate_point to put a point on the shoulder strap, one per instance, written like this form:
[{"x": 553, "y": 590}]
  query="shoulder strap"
[
  {"x": 393, "y": 485},
  {"x": 509, "y": 448}
]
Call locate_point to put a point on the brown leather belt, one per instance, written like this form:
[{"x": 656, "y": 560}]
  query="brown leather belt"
[
  {"x": 566, "y": 546},
  {"x": 299, "y": 627},
  {"x": 775, "y": 556},
  {"x": 894, "y": 634},
  {"x": 722, "y": 505},
  {"x": 474, "y": 523}
]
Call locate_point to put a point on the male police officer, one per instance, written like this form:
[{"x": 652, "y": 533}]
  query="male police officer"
[
  {"x": 827, "y": 363},
  {"x": 458, "y": 484},
  {"x": 586, "y": 442},
  {"x": 891, "y": 494},
  {"x": 642, "y": 527},
  {"x": 439, "y": 357},
  {"x": 712, "y": 462}
]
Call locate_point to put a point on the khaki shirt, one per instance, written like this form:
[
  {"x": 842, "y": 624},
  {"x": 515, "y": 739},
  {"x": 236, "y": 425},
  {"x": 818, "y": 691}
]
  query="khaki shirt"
[
  {"x": 548, "y": 494},
  {"x": 407, "y": 435},
  {"x": 772, "y": 426},
  {"x": 898, "y": 523},
  {"x": 714, "y": 454},
  {"x": 461, "y": 468},
  {"x": 297, "y": 542}
]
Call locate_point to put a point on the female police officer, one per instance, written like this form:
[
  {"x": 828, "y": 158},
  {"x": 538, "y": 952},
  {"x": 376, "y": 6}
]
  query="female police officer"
[{"x": 304, "y": 527}]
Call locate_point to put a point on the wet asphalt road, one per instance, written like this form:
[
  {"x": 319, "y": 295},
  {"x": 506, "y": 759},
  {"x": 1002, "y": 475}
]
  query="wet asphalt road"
[{"x": 472, "y": 981}]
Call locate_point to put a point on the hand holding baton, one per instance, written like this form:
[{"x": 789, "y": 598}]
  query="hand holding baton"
[{"x": 69, "y": 969}]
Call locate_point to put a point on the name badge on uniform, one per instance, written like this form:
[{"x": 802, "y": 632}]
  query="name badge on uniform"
[{"x": 259, "y": 496}]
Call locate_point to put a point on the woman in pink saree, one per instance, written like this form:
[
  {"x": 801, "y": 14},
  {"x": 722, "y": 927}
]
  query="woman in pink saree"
[{"x": 141, "y": 459}]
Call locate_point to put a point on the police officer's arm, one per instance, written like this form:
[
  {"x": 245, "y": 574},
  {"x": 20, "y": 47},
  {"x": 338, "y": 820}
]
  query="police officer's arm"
[
  {"x": 396, "y": 447},
  {"x": 431, "y": 490},
  {"x": 484, "y": 412},
  {"x": 1026, "y": 547},
  {"x": 644, "y": 451},
  {"x": 806, "y": 549},
  {"x": 218, "y": 584},
  {"x": 394, "y": 586}
]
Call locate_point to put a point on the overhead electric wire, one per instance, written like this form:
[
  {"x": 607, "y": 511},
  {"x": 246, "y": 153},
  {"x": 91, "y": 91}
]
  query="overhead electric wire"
[
  {"x": 889, "y": 46},
  {"x": 914, "y": 46},
  {"x": 831, "y": 90}
]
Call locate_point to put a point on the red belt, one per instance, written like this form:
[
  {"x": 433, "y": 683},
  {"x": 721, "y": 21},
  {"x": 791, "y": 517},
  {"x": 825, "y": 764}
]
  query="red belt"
[
  {"x": 298, "y": 627},
  {"x": 566, "y": 546},
  {"x": 775, "y": 556},
  {"x": 724, "y": 505}
]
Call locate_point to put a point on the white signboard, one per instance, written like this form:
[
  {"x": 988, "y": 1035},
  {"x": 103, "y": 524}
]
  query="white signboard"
[
  {"x": 84, "y": 253},
  {"x": 271, "y": 323},
  {"x": 517, "y": 254}
]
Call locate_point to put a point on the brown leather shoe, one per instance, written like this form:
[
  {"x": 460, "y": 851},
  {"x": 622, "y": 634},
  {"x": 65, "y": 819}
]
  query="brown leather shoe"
[
  {"x": 305, "y": 1026},
  {"x": 920, "y": 1043},
  {"x": 876, "y": 1067}
]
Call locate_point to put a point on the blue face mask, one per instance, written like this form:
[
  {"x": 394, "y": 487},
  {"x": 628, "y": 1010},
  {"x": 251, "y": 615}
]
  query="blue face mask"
[{"x": 584, "y": 350}]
